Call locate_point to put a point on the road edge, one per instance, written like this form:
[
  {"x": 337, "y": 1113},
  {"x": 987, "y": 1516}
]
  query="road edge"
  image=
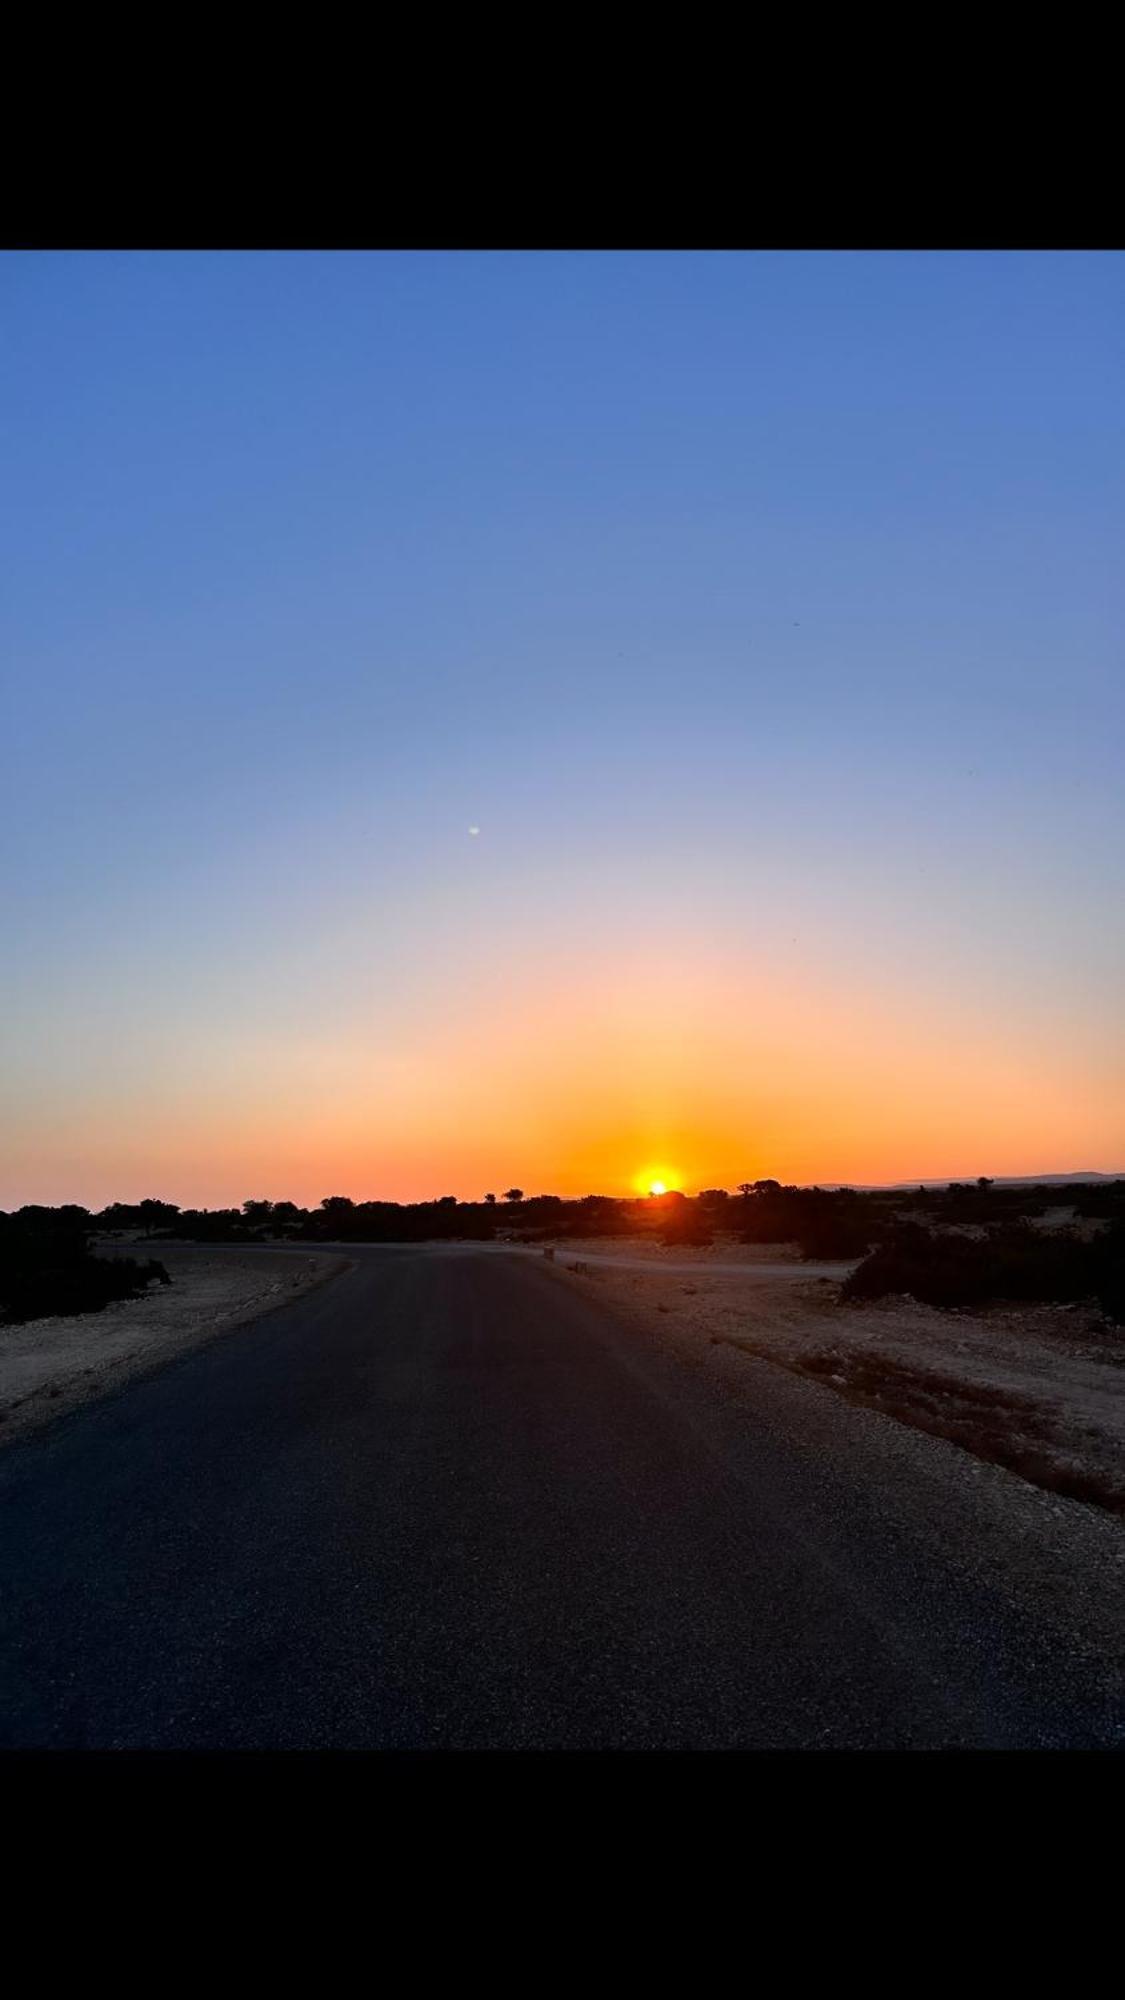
[{"x": 50, "y": 1403}]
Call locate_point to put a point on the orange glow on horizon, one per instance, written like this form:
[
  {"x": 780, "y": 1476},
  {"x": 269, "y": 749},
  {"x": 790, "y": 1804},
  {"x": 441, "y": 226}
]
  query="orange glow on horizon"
[{"x": 554, "y": 1081}]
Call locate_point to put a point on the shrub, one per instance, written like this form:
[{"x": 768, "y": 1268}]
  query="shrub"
[
  {"x": 46, "y": 1269},
  {"x": 1014, "y": 1262},
  {"x": 687, "y": 1230},
  {"x": 766, "y": 1221},
  {"x": 834, "y": 1234}
]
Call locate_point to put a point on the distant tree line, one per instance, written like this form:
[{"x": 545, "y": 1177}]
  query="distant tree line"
[{"x": 46, "y": 1253}]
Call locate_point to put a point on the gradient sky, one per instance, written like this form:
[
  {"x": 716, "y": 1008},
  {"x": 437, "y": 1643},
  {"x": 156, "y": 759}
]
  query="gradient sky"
[{"x": 764, "y": 614}]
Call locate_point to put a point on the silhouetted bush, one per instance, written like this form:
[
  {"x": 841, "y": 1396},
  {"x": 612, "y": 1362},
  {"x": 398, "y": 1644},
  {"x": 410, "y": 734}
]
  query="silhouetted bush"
[
  {"x": 1014, "y": 1262},
  {"x": 1109, "y": 1263},
  {"x": 218, "y": 1225},
  {"x": 396, "y": 1222},
  {"x": 148, "y": 1215},
  {"x": 766, "y": 1220},
  {"x": 835, "y": 1233},
  {"x": 829, "y": 1223},
  {"x": 47, "y": 1268},
  {"x": 687, "y": 1228},
  {"x": 1103, "y": 1200},
  {"x": 598, "y": 1215},
  {"x": 715, "y": 1200}
]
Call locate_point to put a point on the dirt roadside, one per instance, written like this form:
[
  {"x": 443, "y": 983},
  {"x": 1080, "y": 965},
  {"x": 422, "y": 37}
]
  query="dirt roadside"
[
  {"x": 51, "y": 1366},
  {"x": 1039, "y": 1390}
]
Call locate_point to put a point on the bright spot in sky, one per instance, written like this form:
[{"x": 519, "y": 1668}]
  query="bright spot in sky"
[
  {"x": 474, "y": 829},
  {"x": 657, "y": 1187}
]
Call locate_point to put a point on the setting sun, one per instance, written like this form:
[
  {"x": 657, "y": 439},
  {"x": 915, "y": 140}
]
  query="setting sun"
[{"x": 658, "y": 1187}]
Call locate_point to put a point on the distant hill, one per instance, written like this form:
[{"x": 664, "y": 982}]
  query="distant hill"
[
  {"x": 969, "y": 1180},
  {"x": 1014, "y": 1180}
]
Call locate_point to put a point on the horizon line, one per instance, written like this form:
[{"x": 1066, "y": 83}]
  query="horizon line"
[{"x": 926, "y": 1181}]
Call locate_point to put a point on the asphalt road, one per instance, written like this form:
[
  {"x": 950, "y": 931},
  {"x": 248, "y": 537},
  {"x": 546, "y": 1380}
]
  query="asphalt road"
[{"x": 449, "y": 1502}]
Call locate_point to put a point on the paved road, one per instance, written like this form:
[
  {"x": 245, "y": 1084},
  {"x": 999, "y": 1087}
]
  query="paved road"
[{"x": 447, "y": 1501}]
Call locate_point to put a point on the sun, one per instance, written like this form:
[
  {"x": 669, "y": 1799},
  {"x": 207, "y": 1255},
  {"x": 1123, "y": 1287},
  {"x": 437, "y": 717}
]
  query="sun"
[{"x": 657, "y": 1187}]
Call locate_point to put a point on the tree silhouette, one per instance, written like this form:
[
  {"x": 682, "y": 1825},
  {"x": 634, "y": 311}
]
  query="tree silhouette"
[
  {"x": 490, "y": 1199},
  {"x": 513, "y": 1194},
  {"x": 155, "y": 1214}
]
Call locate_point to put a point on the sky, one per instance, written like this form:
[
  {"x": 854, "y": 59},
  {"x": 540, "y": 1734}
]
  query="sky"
[{"x": 558, "y": 719}]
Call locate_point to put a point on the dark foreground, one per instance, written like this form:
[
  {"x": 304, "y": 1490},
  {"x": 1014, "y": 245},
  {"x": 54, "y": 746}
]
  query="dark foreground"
[{"x": 447, "y": 1503}]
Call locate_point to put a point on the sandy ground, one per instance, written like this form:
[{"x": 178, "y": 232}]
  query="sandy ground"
[
  {"x": 749, "y": 1261},
  {"x": 49, "y": 1366},
  {"x": 1040, "y": 1390},
  {"x": 649, "y": 1250}
]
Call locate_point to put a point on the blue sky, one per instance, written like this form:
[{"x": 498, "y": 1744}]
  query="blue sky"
[{"x": 770, "y": 602}]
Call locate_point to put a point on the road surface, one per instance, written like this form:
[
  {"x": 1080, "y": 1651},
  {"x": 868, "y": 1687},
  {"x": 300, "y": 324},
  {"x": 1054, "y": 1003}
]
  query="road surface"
[{"x": 448, "y": 1501}]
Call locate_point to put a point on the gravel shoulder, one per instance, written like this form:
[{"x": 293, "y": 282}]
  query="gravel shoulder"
[
  {"x": 1037, "y": 1390},
  {"x": 51, "y": 1366}
]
